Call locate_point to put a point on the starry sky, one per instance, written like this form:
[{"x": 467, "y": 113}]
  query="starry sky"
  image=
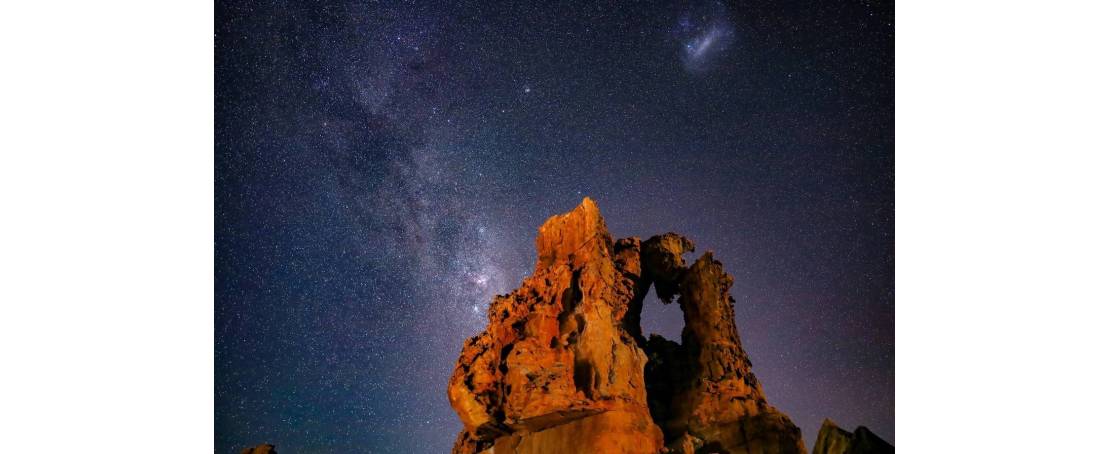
[{"x": 382, "y": 167}]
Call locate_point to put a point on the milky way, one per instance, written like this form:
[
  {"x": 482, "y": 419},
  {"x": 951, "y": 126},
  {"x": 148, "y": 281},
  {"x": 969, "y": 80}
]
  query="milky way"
[{"x": 381, "y": 170}]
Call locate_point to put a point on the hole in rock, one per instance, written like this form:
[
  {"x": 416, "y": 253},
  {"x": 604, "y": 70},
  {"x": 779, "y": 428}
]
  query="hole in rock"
[{"x": 662, "y": 319}]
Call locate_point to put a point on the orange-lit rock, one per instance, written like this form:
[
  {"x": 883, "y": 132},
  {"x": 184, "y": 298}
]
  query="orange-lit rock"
[
  {"x": 260, "y": 449},
  {"x": 561, "y": 366}
]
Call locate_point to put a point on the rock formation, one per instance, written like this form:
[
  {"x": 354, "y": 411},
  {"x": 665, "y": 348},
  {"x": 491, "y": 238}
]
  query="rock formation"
[
  {"x": 704, "y": 394},
  {"x": 260, "y": 449},
  {"x": 834, "y": 440},
  {"x": 562, "y": 366}
]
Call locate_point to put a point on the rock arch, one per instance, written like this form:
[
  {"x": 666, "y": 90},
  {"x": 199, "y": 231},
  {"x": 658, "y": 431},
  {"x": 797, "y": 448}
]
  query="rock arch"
[{"x": 563, "y": 365}]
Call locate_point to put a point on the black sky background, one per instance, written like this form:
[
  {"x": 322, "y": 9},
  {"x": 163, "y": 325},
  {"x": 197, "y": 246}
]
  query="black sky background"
[{"x": 381, "y": 169}]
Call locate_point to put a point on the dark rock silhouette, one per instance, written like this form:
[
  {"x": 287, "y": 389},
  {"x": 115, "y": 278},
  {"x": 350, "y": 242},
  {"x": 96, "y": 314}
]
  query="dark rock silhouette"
[
  {"x": 562, "y": 366},
  {"x": 834, "y": 440}
]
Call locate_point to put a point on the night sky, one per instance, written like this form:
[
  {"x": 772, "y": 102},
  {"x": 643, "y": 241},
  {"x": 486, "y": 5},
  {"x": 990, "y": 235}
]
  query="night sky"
[{"x": 382, "y": 168}]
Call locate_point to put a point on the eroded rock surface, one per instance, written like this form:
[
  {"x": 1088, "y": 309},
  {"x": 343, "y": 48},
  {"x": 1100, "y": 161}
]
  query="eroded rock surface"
[
  {"x": 562, "y": 366},
  {"x": 834, "y": 440}
]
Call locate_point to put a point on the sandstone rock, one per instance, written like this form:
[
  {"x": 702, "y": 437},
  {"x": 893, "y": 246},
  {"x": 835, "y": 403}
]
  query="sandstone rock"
[
  {"x": 561, "y": 366},
  {"x": 260, "y": 449},
  {"x": 834, "y": 440},
  {"x": 708, "y": 397}
]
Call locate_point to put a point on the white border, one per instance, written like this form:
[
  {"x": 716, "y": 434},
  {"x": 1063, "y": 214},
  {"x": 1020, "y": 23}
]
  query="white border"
[
  {"x": 106, "y": 180},
  {"x": 1001, "y": 226}
]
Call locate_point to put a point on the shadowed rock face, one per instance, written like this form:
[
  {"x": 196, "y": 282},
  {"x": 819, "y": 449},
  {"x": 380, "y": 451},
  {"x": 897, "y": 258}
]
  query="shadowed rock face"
[
  {"x": 563, "y": 367},
  {"x": 834, "y": 440}
]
